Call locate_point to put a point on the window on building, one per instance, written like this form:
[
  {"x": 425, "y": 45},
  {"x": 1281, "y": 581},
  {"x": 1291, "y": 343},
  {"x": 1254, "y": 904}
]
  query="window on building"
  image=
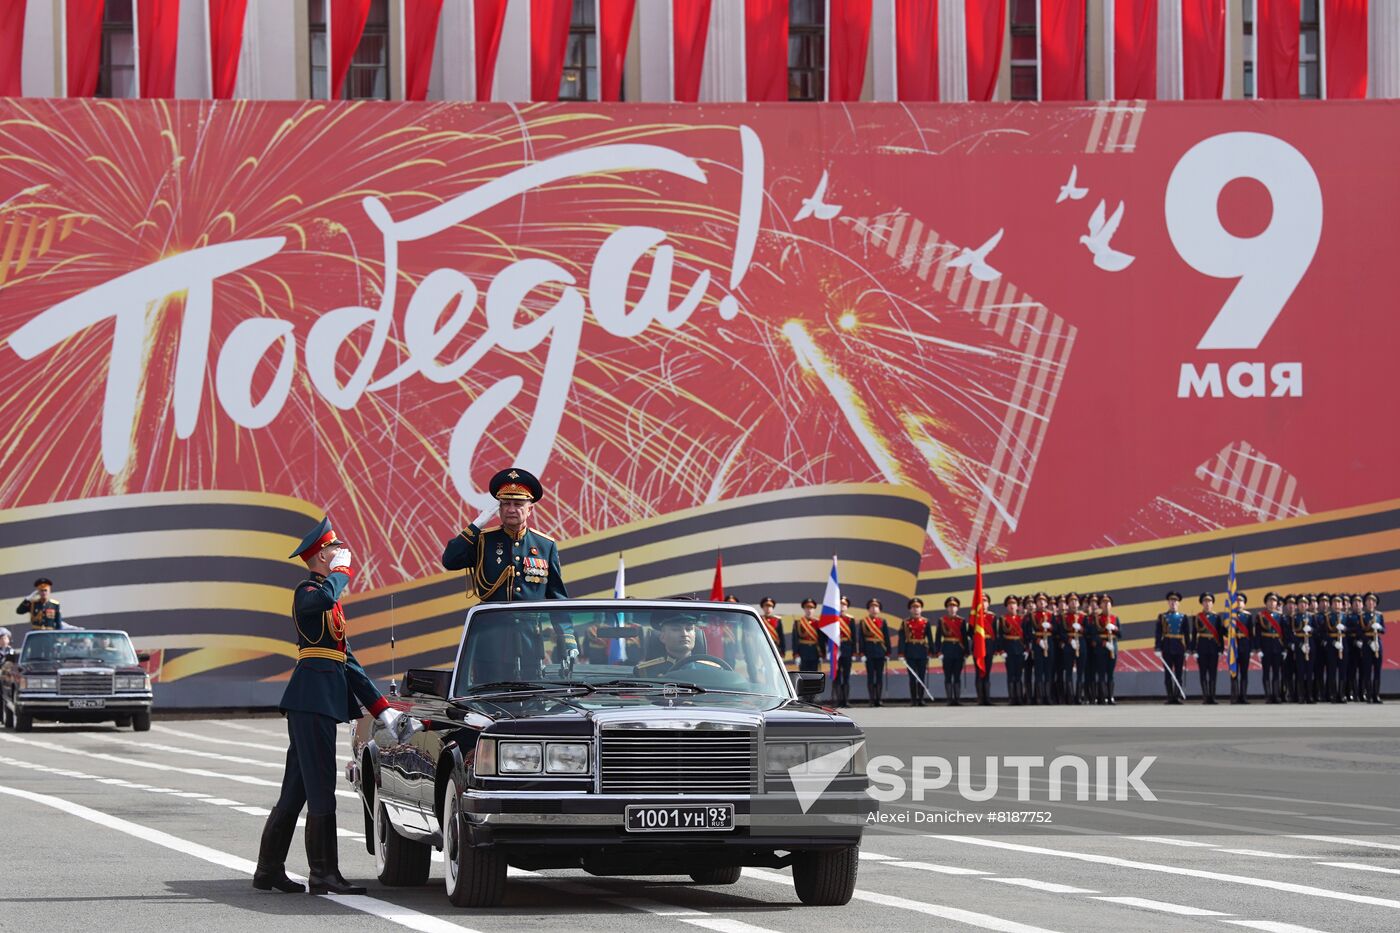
[
  {"x": 1025, "y": 62},
  {"x": 1310, "y": 51},
  {"x": 116, "y": 71},
  {"x": 580, "y": 78},
  {"x": 368, "y": 78},
  {"x": 807, "y": 50}
]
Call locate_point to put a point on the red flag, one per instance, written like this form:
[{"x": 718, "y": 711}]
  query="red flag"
[
  {"x": 979, "y": 635},
  {"x": 717, "y": 588}
]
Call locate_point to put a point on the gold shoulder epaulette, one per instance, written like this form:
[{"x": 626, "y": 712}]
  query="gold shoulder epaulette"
[
  {"x": 654, "y": 662},
  {"x": 541, "y": 534}
]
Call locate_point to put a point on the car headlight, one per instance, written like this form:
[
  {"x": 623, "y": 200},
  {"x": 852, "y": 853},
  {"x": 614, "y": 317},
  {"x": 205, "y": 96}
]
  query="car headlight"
[
  {"x": 519, "y": 757},
  {"x": 784, "y": 756},
  {"x": 821, "y": 749},
  {"x": 131, "y": 682},
  {"x": 566, "y": 758},
  {"x": 37, "y": 682},
  {"x": 484, "y": 762}
]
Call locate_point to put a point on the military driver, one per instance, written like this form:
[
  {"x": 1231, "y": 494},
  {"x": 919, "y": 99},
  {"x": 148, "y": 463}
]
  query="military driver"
[{"x": 677, "y": 636}]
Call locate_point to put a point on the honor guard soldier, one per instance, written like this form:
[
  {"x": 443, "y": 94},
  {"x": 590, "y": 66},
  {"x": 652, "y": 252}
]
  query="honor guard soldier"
[
  {"x": 1356, "y": 641},
  {"x": 1372, "y": 650},
  {"x": 1303, "y": 646},
  {"x": 1069, "y": 663},
  {"x": 1244, "y": 648},
  {"x": 846, "y": 652},
  {"x": 1269, "y": 641},
  {"x": 676, "y": 633},
  {"x": 43, "y": 610},
  {"x": 1011, "y": 641},
  {"x": 1169, "y": 644},
  {"x": 874, "y": 645},
  {"x": 1207, "y": 641},
  {"x": 981, "y": 617},
  {"x": 808, "y": 641},
  {"x": 328, "y": 686},
  {"x": 1028, "y": 665},
  {"x": 1333, "y": 649},
  {"x": 773, "y": 624},
  {"x": 950, "y": 643},
  {"x": 914, "y": 636},
  {"x": 1107, "y": 631},
  {"x": 1288, "y": 681},
  {"x": 1042, "y": 648}
]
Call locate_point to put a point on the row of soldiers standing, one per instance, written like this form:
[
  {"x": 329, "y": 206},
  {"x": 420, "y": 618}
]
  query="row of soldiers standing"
[
  {"x": 1311, "y": 648},
  {"x": 1055, "y": 651}
]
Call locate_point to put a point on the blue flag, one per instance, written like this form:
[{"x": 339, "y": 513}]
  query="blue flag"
[{"x": 1231, "y": 648}]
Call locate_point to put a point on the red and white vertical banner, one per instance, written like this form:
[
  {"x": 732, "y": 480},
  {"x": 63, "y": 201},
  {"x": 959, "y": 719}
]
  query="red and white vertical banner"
[
  {"x": 916, "y": 49},
  {"x": 488, "y": 19},
  {"x": 420, "y": 29},
  {"x": 83, "y": 45},
  {"x": 1061, "y": 39},
  {"x": 157, "y": 35},
  {"x": 549, "y": 38},
  {"x": 984, "y": 24},
  {"x": 1277, "y": 33},
  {"x": 614, "y": 34},
  {"x": 1132, "y": 73},
  {"x": 1344, "y": 56},
  {"x": 849, "y": 42},
  {"x": 690, "y": 29},
  {"x": 766, "y": 49},
  {"x": 1203, "y": 38},
  {"x": 11, "y": 47},
  {"x": 225, "y": 23},
  {"x": 347, "y": 26}
]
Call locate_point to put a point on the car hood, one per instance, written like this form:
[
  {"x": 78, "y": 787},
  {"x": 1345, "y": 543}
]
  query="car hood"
[{"x": 552, "y": 713}]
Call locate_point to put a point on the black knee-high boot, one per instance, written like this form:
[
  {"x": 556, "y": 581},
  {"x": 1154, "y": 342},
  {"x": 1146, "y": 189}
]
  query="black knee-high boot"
[{"x": 272, "y": 854}]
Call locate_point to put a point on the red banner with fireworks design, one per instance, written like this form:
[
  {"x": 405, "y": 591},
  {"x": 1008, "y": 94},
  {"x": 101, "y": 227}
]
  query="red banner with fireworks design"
[{"x": 1052, "y": 329}]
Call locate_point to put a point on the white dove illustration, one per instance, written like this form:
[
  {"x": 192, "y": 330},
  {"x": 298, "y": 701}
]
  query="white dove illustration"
[
  {"x": 976, "y": 259},
  {"x": 1100, "y": 232},
  {"x": 815, "y": 206},
  {"x": 1068, "y": 191}
]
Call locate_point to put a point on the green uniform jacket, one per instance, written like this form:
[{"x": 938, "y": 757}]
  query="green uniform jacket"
[
  {"x": 321, "y": 682},
  {"x": 502, "y": 569},
  {"x": 42, "y": 615}
]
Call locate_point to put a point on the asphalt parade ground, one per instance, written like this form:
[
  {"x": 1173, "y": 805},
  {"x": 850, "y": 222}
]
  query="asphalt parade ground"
[{"x": 114, "y": 831}]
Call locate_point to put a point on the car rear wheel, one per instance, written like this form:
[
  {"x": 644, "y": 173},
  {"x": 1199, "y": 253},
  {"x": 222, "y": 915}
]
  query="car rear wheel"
[
  {"x": 122, "y": 721},
  {"x": 23, "y": 722},
  {"x": 826, "y": 878},
  {"x": 476, "y": 877},
  {"x": 717, "y": 875},
  {"x": 141, "y": 722},
  {"x": 399, "y": 862}
]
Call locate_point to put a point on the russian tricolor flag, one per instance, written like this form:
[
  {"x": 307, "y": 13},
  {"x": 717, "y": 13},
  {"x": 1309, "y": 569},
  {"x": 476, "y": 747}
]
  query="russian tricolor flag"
[{"x": 830, "y": 622}]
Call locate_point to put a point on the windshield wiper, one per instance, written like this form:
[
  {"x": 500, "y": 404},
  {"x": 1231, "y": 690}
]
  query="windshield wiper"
[
  {"x": 624, "y": 682},
  {"x": 526, "y": 686}
]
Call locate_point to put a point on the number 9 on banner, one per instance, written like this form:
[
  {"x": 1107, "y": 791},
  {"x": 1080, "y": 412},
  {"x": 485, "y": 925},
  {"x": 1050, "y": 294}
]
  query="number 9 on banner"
[{"x": 1269, "y": 266}]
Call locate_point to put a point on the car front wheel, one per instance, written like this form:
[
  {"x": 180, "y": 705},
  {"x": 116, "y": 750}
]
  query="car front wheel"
[
  {"x": 476, "y": 877},
  {"x": 399, "y": 862},
  {"x": 23, "y": 721},
  {"x": 827, "y": 877},
  {"x": 141, "y": 722}
]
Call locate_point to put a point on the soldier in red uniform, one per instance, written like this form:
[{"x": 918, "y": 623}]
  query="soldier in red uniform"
[
  {"x": 846, "y": 648},
  {"x": 981, "y": 615},
  {"x": 873, "y": 644},
  {"x": 1042, "y": 642},
  {"x": 913, "y": 646},
  {"x": 1071, "y": 653},
  {"x": 808, "y": 642},
  {"x": 1011, "y": 641},
  {"x": 773, "y": 624},
  {"x": 951, "y": 644}
]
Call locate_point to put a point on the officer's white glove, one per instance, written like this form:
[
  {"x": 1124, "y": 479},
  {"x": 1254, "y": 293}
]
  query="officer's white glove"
[
  {"x": 1157, "y": 653},
  {"x": 1341, "y": 627},
  {"x": 571, "y": 656},
  {"x": 1078, "y": 627},
  {"x": 1045, "y": 625},
  {"x": 1338, "y": 644},
  {"x": 1375, "y": 626},
  {"x": 400, "y": 725},
  {"x": 1307, "y": 630},
  {"x": 35, "y": 596},
  {"x": 1112, "y": 627},
  {"x": 342, "y": 558}
]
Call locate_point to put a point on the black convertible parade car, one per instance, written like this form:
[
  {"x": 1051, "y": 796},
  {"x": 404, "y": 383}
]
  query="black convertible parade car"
[
  {"x": 75, "y": 675},
  {"x": 675, "y": 743}
]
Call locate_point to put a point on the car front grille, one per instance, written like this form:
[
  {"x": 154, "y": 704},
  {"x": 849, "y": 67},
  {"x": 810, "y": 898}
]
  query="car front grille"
[
  {"x": 85, "y": 684},
  {"x": 676, "y": 761}
]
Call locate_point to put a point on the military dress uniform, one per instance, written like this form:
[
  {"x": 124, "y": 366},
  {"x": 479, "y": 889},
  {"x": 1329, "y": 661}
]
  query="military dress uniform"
[
  {"x": 1042, "y": 642},
  {"x": 773, "y": 625},
  {"x": 43, "y": 614},
  {"x": 1303, "y": 645},
  {"x": 1333, "y": 654},
  {"x": 874, "y": 645},
  {"x": 1372, "y": 655},
  {"x": 1208, "y": 641},
  {"x": 1169, "y": 640},
  {"x": 327, "y": 686},
  {"x": 846, "y": 651},
  {"x": 1011, "y": 641},
  {"x": 982, "y": 678},
  {"x": 1069, "y": 668},
  {"x": 660, "y": 667},
  {"x": 1244, "y": 650},
  {"x": 1104, "y": 636},
  {"x": 913, "y": 647},
  {"x": 950, "y": 643},
  {"x": 808, "y": 643},
  {"x": 1269, "y": 637}
]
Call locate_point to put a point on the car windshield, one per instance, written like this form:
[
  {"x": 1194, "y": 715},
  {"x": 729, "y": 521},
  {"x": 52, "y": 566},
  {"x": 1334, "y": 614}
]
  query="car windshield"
[
  {"x": 104, "y": 647},
  {"x": 706, "y": 648}
]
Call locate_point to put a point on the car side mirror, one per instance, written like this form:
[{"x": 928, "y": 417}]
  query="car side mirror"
[
  {"x": 143, "y": 656},
  {"x": 809, "y": 684},
  {"x": 427, "y": 682}
]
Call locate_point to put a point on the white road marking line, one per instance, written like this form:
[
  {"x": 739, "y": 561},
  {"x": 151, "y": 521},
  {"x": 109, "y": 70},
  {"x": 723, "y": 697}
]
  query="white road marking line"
[
  {"x": 1264, "y": 810},
  {"x": 1357, "y": 866},
  {"x": 1149, "y": 904},
  {"x": 1260, "y": 853},
  {"x": 394, "y": 913},
  {"x": 281, "y": 750},
  {"x": 1165, "y": 840},
  {"x": 155, "y": 766},
  {"x": 252, "y": 811},
  {"x": 1338, "y": 819},
  {"x": 193, "y": 752},
  {"x": 1272, "y": 926},
  {"x": 940, "y": 869},
  {"x": 1048, "y": 886},
  {"x": 876, "y": 857},
  {"x": 223, "y": 802},
  {"x": 689, "y": 915},
  {"x": 1344, "y": 840},
  {"x": 955, "y": 914},
  {"x": 1246, "y": 880},
  {"x": 242, "y": 728}
]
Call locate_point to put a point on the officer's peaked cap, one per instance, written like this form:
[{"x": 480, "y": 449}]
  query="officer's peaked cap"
[
  {"x": 315, "y": 539},
  {"x": 516, "y": 484}
]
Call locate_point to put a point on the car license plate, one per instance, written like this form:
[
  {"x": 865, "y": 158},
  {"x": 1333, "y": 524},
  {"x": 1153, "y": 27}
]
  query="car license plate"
[
  {"x": 87, "y": 703},
  {"x": 684, "y": 818}
]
